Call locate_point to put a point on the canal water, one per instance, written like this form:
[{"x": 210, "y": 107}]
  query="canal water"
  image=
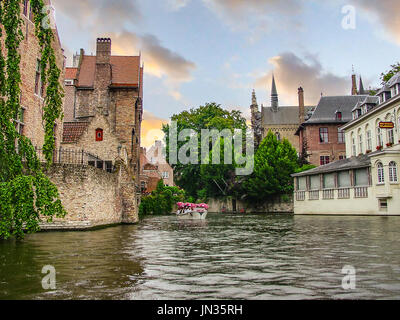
[{"x": 225, "y": 257}]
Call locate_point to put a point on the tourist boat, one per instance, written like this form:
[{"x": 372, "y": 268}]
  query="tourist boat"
[{"x": 191, "y": 211}]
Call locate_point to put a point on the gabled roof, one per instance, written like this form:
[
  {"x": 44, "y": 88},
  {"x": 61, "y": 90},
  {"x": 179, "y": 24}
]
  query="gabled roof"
[
  {"x": 70, "y": 73},
  {"x": 284, "y": 115},
  {"x": 126, "y": 71},
  {"x": 72, "y": 131},
  {"x": 328, "y": 106},
  {"x": 394, "y": 80}
]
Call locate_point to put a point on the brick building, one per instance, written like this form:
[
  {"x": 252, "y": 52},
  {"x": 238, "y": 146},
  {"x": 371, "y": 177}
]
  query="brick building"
[
  {"x": 29, "y": 121},
  {"x": 320, "y": 135},
  {"x": 103, "y": 105},
  {"x": 156, "y": 156},
  {"x": 149, "y": 174},
  {"x": 283, "y": 121}
]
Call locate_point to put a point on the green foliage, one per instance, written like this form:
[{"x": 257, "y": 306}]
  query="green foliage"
[
  {"x": 275, "y": 161},
  {"x": 25, "y": 192},
  {"x": 202, "y": 181},
  {"x": 385, "y": 76},
  {"x": 162, "y": 200},
  {"x": 305, "y": 167}
]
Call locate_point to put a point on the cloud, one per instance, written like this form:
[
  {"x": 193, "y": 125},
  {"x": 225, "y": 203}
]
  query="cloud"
[
  {"x": 159, "y": 61},
  {"x": 257, "y": 16},
  {"x": 175, "y": 5},
  {"x": 99, "y": 14},
  {"x": 291, "y": 72},
  {"x": 387, "y": 12},
  {"x": 151, "y": 129}
]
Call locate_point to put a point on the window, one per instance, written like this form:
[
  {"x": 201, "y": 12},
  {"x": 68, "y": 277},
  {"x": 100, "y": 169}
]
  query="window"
[
  {"x": 381, "y": 173},
  {"x": 395, "y": 90},
  {"x": 361, "y": 177},
  {"x": 165, "y": 175},
  {"x": 369, "y": 140},
  {"x": 341, "y": 136},
  {"x": 324, "y": 160},
  {"x": 278, "y": 136},
  {"x": 383, "y": 204},
  {"x": 25, "y": 10},
  {"x": 30, "y": 13},
  {"x": 99, "y": 134},
  {"x": 379, "y": 138},
  {"x": 19, "y": 121},
  {"x": 353, "y": 146},
  {"x": 323, "y": 135},
  {"x": 360, "y": 143},
  {"x": 342, "y": 157},
  {"x": 393, "y": 172},
  {"x": 338, "y": 116},
  {"x": 109, "y": 166},
  {"x": 39, "y": 86},
  {"x": 390, "y": 136}
]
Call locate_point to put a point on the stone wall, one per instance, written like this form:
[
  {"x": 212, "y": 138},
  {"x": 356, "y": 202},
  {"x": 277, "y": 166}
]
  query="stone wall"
[
  {"x": 92, "y": 197},
  {"x": 278, "y": 205}
]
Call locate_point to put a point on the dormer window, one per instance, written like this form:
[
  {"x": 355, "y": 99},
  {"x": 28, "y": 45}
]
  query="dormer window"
[
  {"x": 395, "y": 90},
  {"x": 338, "y": 116}
]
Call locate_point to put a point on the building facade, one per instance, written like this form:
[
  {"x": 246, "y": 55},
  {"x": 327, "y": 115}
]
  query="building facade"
[
  {"x": 156, "y": 156},
  {"x": 29, "y": 120},
  {"x": 283, "y": 121},
  {"x": 320, "y": 136},
  {"x": 367, "y": 181}
]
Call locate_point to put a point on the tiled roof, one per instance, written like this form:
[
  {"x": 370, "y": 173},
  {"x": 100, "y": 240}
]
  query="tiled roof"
[
  {"x": 328, "y": 106},
  {"x": 363, "y": 161},
  {"x": 72, "y": 131},
  {"x": 70, "y": 73},
  {"x": 125, "y": 71},
  {"x": 284, "y": 115}
]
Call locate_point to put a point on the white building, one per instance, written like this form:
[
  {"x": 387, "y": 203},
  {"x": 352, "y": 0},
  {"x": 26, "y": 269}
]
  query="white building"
[{"x": 367, "y": 181}]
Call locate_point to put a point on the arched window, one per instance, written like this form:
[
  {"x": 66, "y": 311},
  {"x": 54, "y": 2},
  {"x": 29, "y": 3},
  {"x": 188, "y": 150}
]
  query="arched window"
[
  {"x": 278, "y": 136},
  {"x": 379, "y": 138},
  {"x": 360, "y": 142},
  {"x": 99, "y": 134},
  {"x": 381, "y": 173},
  {"x": 353, "y": 145},
  {"x": 368, "y": 138},
  {"x": 393, "y": 172}
]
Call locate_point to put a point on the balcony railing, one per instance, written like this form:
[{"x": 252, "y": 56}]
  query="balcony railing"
[
  {"x": 300, "y": 195},
  {"x": 328, "y": 194},
  {"x": 361, "y": 192},
  {"x": 344, "y": 193},
  {"x": 314, "y": 195}
]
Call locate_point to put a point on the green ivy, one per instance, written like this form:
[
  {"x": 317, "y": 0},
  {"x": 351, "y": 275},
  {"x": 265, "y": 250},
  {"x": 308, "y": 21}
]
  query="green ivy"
[{"x": 25, "y": 191}]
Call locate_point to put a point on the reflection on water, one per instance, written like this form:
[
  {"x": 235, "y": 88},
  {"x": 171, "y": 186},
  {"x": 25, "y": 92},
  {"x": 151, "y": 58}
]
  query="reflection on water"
[{"x": 225, "y": 257}]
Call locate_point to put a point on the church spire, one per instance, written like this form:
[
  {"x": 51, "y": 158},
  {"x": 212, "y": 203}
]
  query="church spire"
[
  {"x": 362, "y": 91},
  {"x": 254, "y": 99},
  {"x": 354, "y": 90},
  {"x": 274, "y": 95}
]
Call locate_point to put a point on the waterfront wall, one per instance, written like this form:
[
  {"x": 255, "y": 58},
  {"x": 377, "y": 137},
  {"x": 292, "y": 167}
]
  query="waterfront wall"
[
  {"x": 92, "y": 197},
  {"x": 277, "y": 205}
]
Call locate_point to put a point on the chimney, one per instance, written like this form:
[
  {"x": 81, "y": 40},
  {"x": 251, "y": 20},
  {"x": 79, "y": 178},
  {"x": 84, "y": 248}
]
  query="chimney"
[
  {"x": 103, "y": 50},
  {"x": 301, "y": 106}
]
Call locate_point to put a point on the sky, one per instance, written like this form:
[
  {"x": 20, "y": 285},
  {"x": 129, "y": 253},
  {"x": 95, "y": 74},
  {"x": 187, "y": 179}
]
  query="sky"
[{"x": 200, "y": 51}]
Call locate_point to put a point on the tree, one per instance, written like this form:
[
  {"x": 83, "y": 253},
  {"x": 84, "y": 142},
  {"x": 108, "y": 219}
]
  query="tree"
[
  {"x": 386, "y": 76},
  {"x": 162, "y": 200},
  {"x": 275, "y": 161},
  {"x": 205, "y": 180},
  {"x": 25, "y": 192}
]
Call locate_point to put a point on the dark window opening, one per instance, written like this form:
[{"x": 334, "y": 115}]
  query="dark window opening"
[
  {"x": 323, "y": 135},
  {"x": 109, "y": 166},
  {"x": 99, "y": 134},
  {"x": 324, "y": 160}
]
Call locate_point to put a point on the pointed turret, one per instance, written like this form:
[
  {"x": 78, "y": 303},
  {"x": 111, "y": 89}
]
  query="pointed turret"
[
  {"x": 274, "y": 95},
  {"x": 361, "y": 88},
  {"x": 254, "y": 99}
]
